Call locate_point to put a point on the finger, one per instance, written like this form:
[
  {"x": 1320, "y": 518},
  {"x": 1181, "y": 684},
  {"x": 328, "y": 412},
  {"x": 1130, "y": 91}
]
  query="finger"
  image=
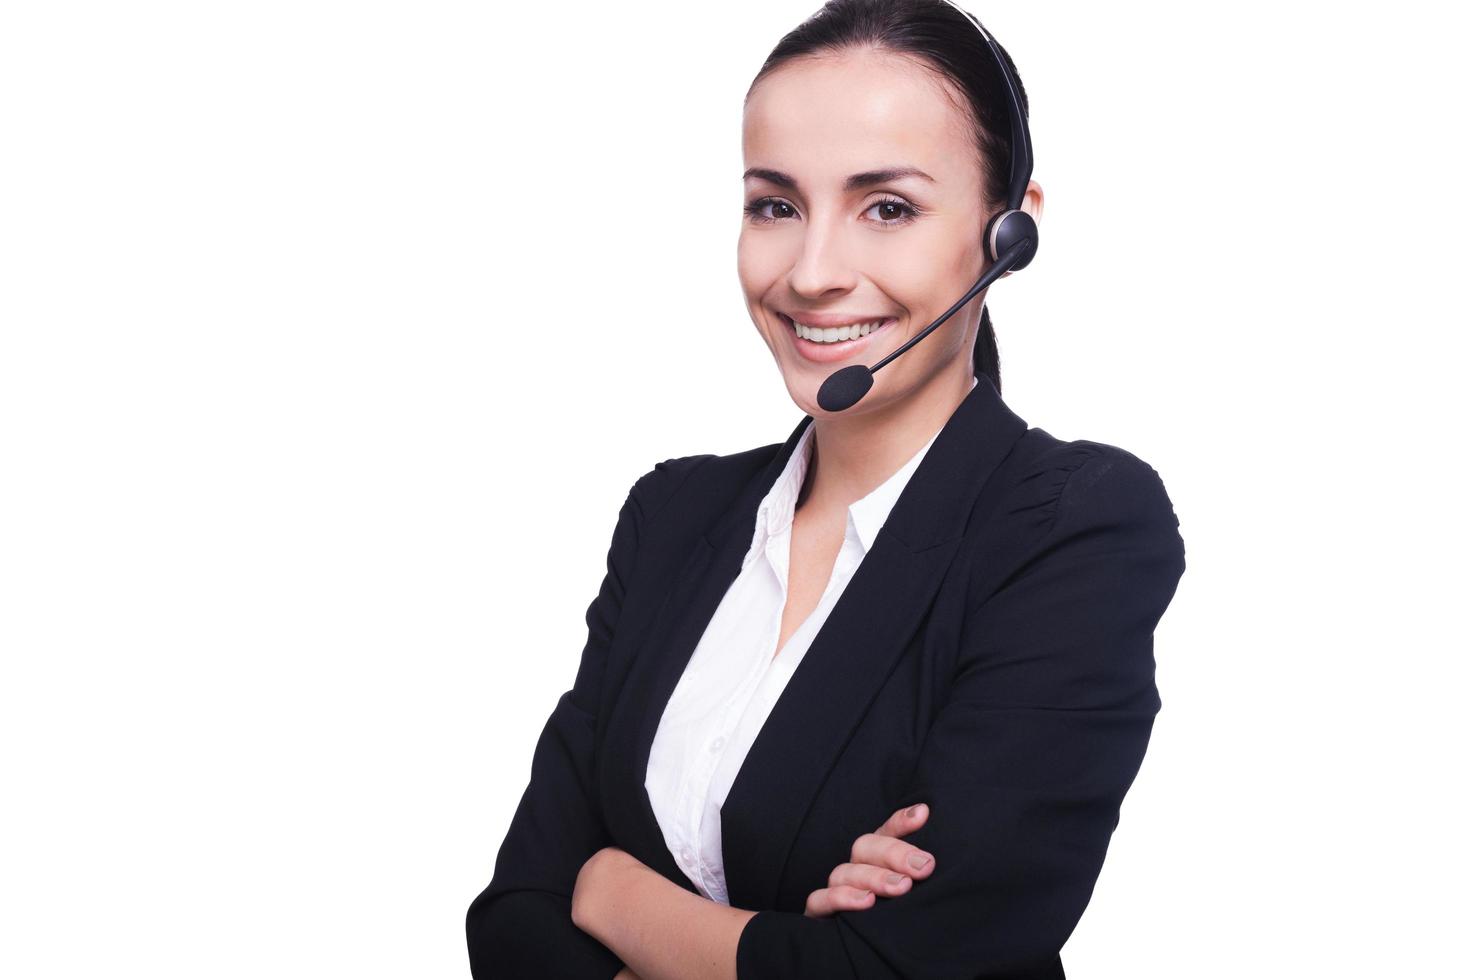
[
  {"x": 825, "y": 901},
  {"x": 904, "y": 821},
  {"x": 893, "y": 854},
  {"x": 881, "y": 881}
]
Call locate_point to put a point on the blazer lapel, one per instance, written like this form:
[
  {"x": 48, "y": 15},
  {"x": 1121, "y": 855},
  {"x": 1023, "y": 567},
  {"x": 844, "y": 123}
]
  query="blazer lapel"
[{"x": 848, "y": 660}]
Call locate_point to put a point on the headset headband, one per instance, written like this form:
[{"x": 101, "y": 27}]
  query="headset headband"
[{"x": 1021, "y": 162}]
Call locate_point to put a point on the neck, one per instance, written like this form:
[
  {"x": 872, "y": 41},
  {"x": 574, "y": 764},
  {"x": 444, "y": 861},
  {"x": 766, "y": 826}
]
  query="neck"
[{"x": 852, "y": 455}]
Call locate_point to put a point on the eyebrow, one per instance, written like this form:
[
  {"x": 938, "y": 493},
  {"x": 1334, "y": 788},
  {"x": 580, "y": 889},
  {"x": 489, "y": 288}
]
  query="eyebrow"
[{"x": 855, "y": 182}]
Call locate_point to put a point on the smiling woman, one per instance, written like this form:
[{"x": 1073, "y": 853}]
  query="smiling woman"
[{"x": 864, "y": 702}]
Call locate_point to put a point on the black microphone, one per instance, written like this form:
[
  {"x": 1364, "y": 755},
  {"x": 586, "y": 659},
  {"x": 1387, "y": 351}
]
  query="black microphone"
[{"x": 845, "y": 388}]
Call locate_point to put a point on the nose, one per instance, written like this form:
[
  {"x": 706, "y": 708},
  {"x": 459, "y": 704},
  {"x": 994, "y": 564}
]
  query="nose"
[{"x": 821, "y": 266}]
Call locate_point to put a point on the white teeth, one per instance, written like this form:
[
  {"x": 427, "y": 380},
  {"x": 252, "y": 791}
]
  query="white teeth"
[{"x": 829, "y": 335}]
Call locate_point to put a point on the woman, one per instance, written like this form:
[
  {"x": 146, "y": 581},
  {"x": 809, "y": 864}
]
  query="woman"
[{"x": 864, "y": 703}]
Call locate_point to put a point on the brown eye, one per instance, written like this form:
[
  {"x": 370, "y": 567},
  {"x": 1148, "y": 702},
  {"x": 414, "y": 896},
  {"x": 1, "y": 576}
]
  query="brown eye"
[
  {"x": 755, "y": 208},
  {"x": 891, "y": 211}
]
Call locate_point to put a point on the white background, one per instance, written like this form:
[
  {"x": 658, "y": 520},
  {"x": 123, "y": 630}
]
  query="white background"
[{"x": 334, "y": 335}]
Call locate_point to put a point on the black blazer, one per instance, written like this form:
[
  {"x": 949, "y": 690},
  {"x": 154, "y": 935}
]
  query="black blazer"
[{"x": 992, "y": 656}]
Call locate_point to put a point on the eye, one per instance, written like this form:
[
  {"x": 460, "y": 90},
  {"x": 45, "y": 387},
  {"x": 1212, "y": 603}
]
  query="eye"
[
  {"x": 908, "y": 211},
  {"x": 754, "y": 209}
]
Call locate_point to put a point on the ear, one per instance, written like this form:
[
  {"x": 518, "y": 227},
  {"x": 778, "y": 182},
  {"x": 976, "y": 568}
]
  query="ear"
[{"x": 1033, "y": 203}]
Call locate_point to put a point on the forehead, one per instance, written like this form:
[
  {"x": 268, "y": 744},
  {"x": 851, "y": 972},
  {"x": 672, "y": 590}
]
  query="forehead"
[{"x": 835, "y": 114}]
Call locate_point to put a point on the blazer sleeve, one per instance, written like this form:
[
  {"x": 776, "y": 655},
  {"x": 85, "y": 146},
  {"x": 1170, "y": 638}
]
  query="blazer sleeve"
[
  {"x": 520, "y": 925},
  {"x": 1028, "y": 760}
]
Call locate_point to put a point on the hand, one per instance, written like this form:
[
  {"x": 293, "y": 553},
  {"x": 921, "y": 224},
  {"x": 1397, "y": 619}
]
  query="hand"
[{"x": 875, "y": 856}]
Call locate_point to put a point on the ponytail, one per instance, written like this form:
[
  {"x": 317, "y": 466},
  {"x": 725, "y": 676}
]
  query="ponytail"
[{"x": 986, "y": 352}]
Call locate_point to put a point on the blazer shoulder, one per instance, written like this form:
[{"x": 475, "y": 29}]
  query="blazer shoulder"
[
  {"x": 1060, "y": 475},
  {"x": 690, "y": 488},
  {"x": 1080, "y": 516},
  {"x": 654, "y": 489},
  {"x": 1120, "y": 484}
]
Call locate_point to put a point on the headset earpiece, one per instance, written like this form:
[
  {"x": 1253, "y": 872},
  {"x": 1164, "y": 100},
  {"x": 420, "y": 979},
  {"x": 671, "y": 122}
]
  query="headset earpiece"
[{"x": 1008, "y": 228}]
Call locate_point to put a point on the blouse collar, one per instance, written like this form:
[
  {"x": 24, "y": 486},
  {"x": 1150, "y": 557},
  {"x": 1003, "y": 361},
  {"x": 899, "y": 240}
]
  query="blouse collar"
[{"x": 866, "y": 516}]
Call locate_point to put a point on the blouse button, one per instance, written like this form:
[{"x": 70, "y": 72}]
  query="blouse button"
[
  {"x": 717, "y": 744},
  {"x": 688, "y": 855}
]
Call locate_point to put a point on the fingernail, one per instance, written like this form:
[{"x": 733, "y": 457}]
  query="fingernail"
[
  {"x": 894, "y": 878},
  {"x": 914, "y": 810},
  {"x": 919, "y": 860}
]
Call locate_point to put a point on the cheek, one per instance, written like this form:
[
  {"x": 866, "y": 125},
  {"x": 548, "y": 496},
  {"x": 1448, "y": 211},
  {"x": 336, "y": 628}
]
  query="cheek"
[
  {"x": 920, "y": 268},
  {"x": 921, "y": 289},
  {"x": 924, "y": 259},
  {"x": 759, "y": 265}
]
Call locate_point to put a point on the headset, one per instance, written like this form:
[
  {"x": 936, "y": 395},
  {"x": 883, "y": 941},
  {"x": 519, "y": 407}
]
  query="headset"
[{"x": 1010, "y": 239}]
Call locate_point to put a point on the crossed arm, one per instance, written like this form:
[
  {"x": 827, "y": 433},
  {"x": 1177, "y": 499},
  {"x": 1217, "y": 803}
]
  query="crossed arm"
[
  {"x": 659, "y": 929},
  {"x": 668, "y": 931}
]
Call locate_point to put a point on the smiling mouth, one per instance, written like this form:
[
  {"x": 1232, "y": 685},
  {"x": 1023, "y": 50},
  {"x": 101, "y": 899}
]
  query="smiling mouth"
[{"x": 835, "y": 336}]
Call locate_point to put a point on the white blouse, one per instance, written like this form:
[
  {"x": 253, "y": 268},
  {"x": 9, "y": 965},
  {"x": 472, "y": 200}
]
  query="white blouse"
[{"x": 734, "y": 678}]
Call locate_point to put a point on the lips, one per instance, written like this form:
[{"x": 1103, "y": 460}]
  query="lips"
[{"x": 837, "y": 350}]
